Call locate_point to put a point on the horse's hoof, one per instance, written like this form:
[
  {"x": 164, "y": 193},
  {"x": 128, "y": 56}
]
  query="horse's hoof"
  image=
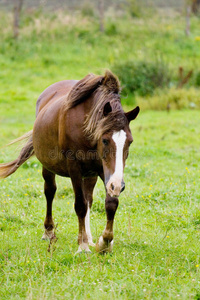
[
  {"x": 103, "y": 246},
  {"x": 91, "y": 243},
  {"x": 48, "y": 235},
  {"x": 83, "y": 248},
  {"x": 80, "y": 251}
]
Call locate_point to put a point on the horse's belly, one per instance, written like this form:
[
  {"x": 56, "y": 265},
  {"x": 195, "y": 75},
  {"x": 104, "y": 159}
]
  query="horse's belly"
[
  {"x": 47, "y": 150},
  {"x": 58, "y": 170},
  {"x": 53, "y": 160}
]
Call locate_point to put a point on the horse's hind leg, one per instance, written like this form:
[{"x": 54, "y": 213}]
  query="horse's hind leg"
[
  {"x": 88, "y": 187},
  {"x": 49, "y": 190}
]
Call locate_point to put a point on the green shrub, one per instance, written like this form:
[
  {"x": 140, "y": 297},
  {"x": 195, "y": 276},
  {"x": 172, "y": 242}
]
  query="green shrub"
[
  {"x": 111, "y": 29},
  {"x": 87, "y": 9},
  {"x": 170, "y": 99},
  {"x": 134, "y": 8},
  {"x": 197, "y": 81},
  {"x": 142, "y": 77}
]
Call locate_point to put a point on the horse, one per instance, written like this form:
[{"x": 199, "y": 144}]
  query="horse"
[{"x": 81, "y": 132}]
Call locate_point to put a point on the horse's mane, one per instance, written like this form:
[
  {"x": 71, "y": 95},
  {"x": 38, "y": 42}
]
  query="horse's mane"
[{"x": 105, "y": 89}]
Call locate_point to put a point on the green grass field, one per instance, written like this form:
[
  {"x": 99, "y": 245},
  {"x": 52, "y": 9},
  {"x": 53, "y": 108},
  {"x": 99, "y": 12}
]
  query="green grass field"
[
  {"x": 157, "y": 225},
  {"x": 157, "y": 237}
]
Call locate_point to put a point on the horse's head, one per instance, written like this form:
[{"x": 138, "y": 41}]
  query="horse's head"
[{"x": 113, "y": 147}]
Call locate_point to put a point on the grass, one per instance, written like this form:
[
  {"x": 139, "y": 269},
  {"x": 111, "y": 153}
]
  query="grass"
[
  {"x": 157, "y": 237},
  {"x": 156, "y": 250}
]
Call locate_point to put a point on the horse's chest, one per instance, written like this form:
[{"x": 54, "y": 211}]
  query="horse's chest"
[{"x": 90, "y": 168}]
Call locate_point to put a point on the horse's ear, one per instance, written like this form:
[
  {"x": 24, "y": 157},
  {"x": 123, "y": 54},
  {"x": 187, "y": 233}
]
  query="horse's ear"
[
  {"x": 111, "y": 82},
  {"x": 107, "y": 109},
  {"x": 131, "y": 115}
]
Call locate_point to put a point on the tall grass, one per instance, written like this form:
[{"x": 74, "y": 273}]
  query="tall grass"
[{"x": 57, "y": 46}]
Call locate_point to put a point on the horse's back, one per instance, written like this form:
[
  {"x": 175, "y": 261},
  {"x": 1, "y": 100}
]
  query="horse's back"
[{"x": 54, "y": 92}]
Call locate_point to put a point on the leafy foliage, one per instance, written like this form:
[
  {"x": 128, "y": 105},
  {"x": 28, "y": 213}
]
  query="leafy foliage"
[
  {"x": 87, "y": 9},
  {"x": 197, "y": 81},
  {"x": 134, "y": 8},
  {"x": 172, "y": 98},
  {"x": 142, "y": 77}
]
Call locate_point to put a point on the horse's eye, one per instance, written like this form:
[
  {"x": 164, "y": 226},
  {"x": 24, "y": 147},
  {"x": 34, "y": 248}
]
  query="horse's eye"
[
  {"x": 130, "y": 143},
  {"x": 105, "y": 142},
  {"x": 126, "y": 154}
]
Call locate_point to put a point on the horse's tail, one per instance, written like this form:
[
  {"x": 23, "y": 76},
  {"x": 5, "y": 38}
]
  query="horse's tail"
[{"x": 26, "y": 152}]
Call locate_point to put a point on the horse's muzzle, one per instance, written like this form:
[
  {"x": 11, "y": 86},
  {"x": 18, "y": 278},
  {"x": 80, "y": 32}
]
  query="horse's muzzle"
[{"x": 114, "y": 188}]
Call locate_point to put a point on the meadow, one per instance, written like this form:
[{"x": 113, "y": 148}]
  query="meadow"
[{"x": 157, "y": 225}]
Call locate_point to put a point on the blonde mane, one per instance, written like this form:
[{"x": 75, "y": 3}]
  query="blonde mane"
[{"x": 105, "y": 89}]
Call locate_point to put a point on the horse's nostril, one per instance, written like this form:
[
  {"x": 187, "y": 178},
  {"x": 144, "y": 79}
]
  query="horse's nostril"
[
  {"x": 112, "y": 186},
  {"x": 123, "y": 187}
]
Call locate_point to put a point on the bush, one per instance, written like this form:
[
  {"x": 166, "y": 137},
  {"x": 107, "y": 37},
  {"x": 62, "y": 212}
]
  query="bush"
[
  {"x": 142, "y": 77},
  {"x": 197, "y": 81},
  {"x": 134, "y": 8},
  {"x": 111, "y": 29},
  {"x": 172, "y": 98},
  {"x": 87, "y": 9}
]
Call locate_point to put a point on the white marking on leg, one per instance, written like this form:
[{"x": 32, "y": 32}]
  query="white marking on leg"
[
  {"x": 83, "y": 248},
  {"x": 101, "y": 242},
  {"x": 87, "y": 227}
]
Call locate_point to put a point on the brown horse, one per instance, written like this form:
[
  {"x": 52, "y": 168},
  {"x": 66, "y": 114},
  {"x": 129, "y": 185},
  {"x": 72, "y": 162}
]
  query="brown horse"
[{"x": 81, "y": 132}]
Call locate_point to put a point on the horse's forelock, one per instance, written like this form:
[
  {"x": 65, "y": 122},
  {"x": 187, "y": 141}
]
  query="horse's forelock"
[
  {"x": 96, "y": 124},
  {"x": 105, "y": 89},
  {"x": 115, "y": 121}
]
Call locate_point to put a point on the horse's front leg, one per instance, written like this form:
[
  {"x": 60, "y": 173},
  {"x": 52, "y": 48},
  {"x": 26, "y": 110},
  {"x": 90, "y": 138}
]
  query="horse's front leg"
[
  {"x": 105, "y": 242},
  {"x": 88, "y": 187},
  {"x": 80, "y": 206}
]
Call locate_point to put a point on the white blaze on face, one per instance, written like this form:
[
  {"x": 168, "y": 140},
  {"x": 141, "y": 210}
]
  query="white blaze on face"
[
  {"x": 119, "y": 138},
  {"x": 114, "y": 183}
]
